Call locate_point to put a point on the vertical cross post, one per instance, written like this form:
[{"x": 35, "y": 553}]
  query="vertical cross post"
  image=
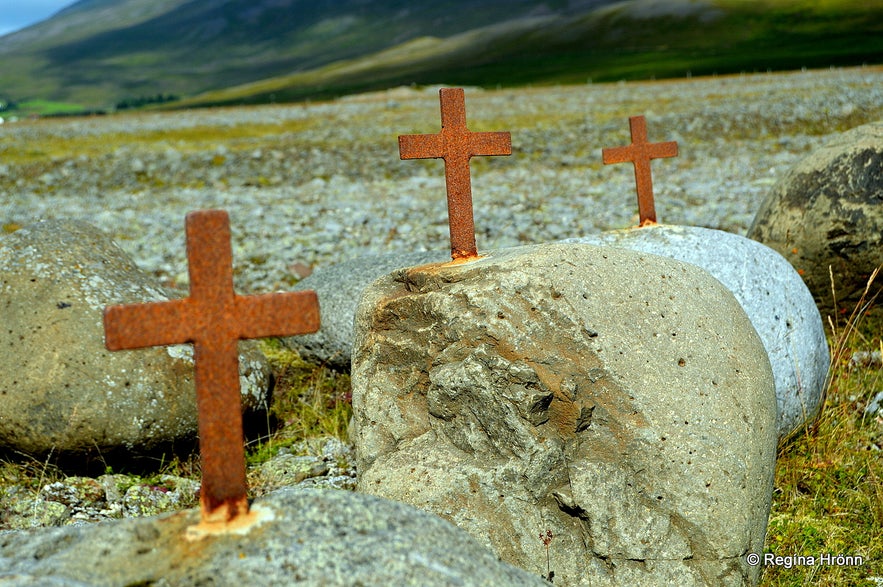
[
  {"x": 214, "y": 318},
  {"x": 456, "y": 144},
  {"x": 640, "y": 152}
]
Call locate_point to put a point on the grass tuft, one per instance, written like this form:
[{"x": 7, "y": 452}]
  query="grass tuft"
[
  {"x": 828, "y": 496},
  {"x": 309, "y": 401}
]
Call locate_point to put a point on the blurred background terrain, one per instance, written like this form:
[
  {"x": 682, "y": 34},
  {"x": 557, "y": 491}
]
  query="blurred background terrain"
[{"x": 104, "y": 55}]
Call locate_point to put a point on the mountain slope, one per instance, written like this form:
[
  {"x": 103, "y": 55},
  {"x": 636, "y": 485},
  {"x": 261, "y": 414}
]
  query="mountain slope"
[
  {"x": 185, "y": 46},
  {"x": 635, "y": 39},
  {"x": 99, "y": 52}
]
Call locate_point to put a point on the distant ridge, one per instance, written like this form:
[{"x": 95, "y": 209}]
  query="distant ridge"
[{"x": 98, "y": 54}]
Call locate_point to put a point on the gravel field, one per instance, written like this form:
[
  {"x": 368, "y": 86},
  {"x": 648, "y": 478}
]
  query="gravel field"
[{"x": 320, "y": 183}]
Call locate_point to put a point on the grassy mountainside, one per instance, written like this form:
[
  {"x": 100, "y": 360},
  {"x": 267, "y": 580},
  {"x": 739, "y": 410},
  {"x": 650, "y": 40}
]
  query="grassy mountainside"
[
  {"x": 98, "y": 53},
  {"x": 630, "y": 40}
]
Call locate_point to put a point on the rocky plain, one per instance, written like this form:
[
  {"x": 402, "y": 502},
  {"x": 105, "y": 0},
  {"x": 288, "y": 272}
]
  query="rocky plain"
[
  {"x": 311, "y": 185},
  {"x": 317, "y": 184}
]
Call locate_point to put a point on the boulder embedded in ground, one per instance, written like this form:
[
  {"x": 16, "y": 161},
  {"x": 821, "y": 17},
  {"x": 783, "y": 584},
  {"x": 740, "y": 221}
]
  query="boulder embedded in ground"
[
  {"x": 620, "y": 401},
  {"x": 772, "y": 294},
  {"x": 339, "y": 288},
  {"x": 308, "y": 537},
  {"x": 61, "y": 390},
  {"x": 828, "y": 212}
]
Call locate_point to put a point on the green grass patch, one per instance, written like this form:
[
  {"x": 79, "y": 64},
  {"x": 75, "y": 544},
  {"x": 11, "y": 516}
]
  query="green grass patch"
[
  {"x": 828, "y": 497},
  {"x": 309, "y": 401},
  {"x": 45, "y": 108}
]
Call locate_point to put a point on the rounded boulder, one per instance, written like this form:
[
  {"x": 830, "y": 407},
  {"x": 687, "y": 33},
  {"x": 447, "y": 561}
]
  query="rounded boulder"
[
  {"x": 61, "y": 390},
  {"x": 826, "y": 217},
  {"x": 601, "y": 414},
  {"x": 771, "y": 292}
]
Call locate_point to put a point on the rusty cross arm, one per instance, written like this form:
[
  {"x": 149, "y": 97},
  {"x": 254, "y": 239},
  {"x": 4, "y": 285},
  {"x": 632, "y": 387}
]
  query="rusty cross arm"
[
  {"x": 456, "y": 144},
  {"x": 640, "y": 152},
  {"x": 214, "y": 318}
]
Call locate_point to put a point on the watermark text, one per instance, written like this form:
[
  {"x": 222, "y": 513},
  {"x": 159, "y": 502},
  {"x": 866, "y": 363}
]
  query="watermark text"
[{"x": 769, "y": 559}]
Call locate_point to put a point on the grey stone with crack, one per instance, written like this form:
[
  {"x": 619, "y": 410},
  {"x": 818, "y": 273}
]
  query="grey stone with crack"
[{"x": 621, "y": 400}]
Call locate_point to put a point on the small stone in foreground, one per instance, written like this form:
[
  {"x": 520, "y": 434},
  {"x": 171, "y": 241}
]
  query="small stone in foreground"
[{"x": 874, "y": 409}]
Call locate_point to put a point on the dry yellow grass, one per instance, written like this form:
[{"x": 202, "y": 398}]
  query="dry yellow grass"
[{"x": 828, "y": 497}]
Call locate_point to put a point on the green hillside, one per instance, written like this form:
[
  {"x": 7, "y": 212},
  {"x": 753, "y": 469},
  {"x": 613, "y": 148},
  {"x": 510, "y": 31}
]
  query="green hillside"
[
  {"x": 101, "y": 52},
  {"x": 609, "y": 44},
  {"x": 105, "y": 53}
]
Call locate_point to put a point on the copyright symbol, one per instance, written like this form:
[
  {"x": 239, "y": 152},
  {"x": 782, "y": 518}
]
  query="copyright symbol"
[{"x": 753, "y": 559}]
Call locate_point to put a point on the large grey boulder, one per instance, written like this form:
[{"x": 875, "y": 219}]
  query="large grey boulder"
[
  {"x": 311, "y": 537},
  {"x": 827, "y": 212},
  {"x": 619, "y": 401},
  {"x": 339, "y": 288},
  {"x": 771, "y": 292},
  {"x": 61, "y": 391}
]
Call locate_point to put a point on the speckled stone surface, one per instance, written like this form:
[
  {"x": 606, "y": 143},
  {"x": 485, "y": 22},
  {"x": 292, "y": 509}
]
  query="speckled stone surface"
[
  {"x": 61, "y": 390},
  {"x": 771, "y": 292},
  {"x": 621, "y": 400},
  {"x": 311, "y": 537}
]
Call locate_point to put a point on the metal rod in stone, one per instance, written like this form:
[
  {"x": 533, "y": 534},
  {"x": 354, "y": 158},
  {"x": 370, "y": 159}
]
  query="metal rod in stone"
[
  {"x": 456, "y": 144},
  {"x": 639, "y": 153},
  {"x": 214, "y": 319}
]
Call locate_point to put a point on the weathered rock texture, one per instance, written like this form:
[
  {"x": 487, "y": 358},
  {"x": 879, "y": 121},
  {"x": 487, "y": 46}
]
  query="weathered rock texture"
[
  {"x": 60, "y": 389},
  {"x": 828, "y": 212},
  {"x": 308, "y": 537},
  {"x": 339, "y": 288},
  {"x": 780, "y": 306},
  {"x": 620, "y": 400}
]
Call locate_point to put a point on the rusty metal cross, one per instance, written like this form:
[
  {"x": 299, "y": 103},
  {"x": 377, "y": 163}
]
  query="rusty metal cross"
[
  {"x": 640, "y": 152},
  {"x": 456, "y": 144},
  {"x": 214, "y": 318}
]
